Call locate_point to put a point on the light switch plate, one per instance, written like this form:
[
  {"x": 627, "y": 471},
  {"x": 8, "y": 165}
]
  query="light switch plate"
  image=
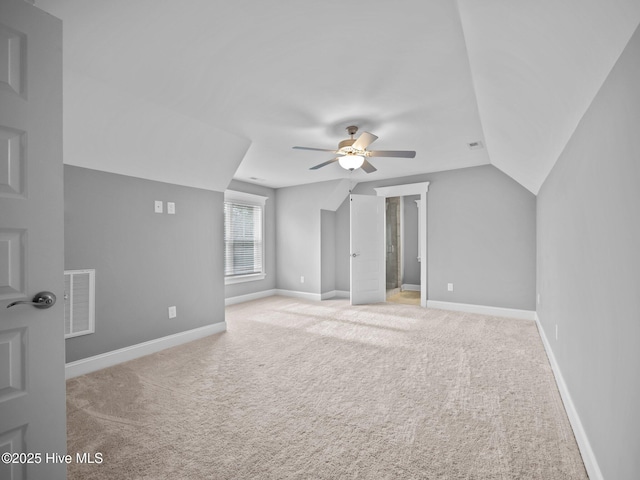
[
  {"x": 172, "y": 312},
  {"x": 158, "y": 206},
  {"x": 171, "y": 208}
]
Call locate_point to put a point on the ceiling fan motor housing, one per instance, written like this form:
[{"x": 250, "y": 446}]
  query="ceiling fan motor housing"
[{"x": 346, "y": 143}]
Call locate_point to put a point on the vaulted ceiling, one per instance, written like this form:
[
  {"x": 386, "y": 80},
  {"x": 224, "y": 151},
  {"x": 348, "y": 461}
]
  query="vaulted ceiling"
[{"x": 196, "y": 92}]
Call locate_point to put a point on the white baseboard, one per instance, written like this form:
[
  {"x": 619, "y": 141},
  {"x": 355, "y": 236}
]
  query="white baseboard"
[
  {"x": 588, "y": 456},
  {"x": 295, "y": 294},
  {"x": 108, "y": 359},
  {"x": 410, "y": 287},
  {"x": 286, "y": 293},
  {"x": 483, "y": 309},
  {"x": 336, "y": 294},
  {"x": 250, "y": 296}
]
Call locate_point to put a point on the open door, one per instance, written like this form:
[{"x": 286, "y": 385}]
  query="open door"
[
  {"x": 367, "y": 250},
  {"x": 32, "y": 383}
]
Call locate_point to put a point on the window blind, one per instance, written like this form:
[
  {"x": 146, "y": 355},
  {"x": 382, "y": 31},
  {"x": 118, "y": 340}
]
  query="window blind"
[{"x": 242, "y": 239}]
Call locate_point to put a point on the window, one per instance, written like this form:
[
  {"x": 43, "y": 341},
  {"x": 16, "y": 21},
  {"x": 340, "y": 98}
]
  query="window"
[{"x": 243, "y": 237}]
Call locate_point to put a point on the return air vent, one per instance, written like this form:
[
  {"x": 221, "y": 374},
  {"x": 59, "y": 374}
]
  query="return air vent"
[{"x": 79, "y": 302}]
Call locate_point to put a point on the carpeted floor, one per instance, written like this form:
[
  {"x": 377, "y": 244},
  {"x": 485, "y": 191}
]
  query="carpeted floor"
[{"x": 323, "y": 390}]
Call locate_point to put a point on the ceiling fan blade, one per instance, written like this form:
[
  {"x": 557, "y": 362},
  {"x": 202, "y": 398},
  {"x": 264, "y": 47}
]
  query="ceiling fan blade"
[
  {"x": 324, "y": 164},
  {"x": 315, "y": 149},
  {"x": 364, "y": 140},
  {"x": 367, "y": 167},
  {"x": 393, "y": 153}
]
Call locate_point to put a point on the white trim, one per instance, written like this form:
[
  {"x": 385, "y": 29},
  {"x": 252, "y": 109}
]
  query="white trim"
[
  {"x": 418, "y": 202},
  {"x": 245, "y": 198},
  {"x": 233, "y": 196},
  {"x": 410, "y": 287},
  {"x": 402, "y": 190},
  {"x": 336, "y": 294},
  {"x": 252, "y": 277},
  {"x": 92, "y": 302},
  {"x": 414, "y": 189},
  {"x": 108, "y": 359},
  {"x": 483, "y": 309},
  {"x": 402, "y": 241},
  {"x": 588, "y": 456},
  {"x": 316, "y": 297},
  {"x": 295, "y": 294},
  {"x": 249, "y": 296}
]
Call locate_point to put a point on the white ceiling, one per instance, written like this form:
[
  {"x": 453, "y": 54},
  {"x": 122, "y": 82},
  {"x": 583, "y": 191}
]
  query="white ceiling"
[{"x": 195, "y": 92}]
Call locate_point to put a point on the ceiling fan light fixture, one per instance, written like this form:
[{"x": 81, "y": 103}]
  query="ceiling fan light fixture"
[
  {"x": 351, "y": 162},
  {"x": 352, "y": 152}
]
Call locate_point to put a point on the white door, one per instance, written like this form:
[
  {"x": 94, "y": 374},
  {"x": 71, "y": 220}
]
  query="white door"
[
  {"x": 367, "y": 250},
  {"x": 32, "y": 385}
]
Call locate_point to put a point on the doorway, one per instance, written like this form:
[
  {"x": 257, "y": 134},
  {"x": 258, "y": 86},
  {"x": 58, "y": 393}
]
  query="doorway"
[
  {"x": 401, "y": 248},
  {"x": 393, "y": 244},
  {"x": 363, "y": 212}
]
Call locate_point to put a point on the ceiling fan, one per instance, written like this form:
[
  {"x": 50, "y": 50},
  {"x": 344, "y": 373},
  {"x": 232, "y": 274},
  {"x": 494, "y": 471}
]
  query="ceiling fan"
[{"x": 353, "y": 152}]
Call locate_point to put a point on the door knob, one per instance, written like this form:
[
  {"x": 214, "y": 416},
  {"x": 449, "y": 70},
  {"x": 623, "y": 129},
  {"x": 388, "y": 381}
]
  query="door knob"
[
  {"x": 354, "y": 255},
  {"x": 41, "y": 300}
]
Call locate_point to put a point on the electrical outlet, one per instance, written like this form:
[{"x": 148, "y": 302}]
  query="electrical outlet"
[
  {"x": 172, "y": 312},
  {"x": 302, "y": 279},
  {"x": 450, "y": 287},
  {"x": 171, "y": 208},
  {"x": 157, "y": 206}
]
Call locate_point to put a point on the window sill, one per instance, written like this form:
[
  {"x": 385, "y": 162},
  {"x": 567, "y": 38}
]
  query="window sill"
[{"x": 244, "y": 278}]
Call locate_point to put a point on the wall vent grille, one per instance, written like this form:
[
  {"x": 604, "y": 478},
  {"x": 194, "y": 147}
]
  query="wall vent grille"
[{"x": 79, "y": 302}]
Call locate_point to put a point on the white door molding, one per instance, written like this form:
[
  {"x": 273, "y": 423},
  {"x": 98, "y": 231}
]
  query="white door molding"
[{"x": 414, "y": 189}]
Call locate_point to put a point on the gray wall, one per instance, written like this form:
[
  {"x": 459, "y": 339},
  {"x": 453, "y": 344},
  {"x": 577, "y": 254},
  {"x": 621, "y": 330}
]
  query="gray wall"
[
  {"x": 269, "y": 282},
  {"x": 298, "y": 232},
  {"x": 481, "y": 234},
  {"x": 589, "y": 268},
  {"x": 144, "y": 261},
  {"x": 410, "y": 241},
  {"x": 328, "y": 251}
]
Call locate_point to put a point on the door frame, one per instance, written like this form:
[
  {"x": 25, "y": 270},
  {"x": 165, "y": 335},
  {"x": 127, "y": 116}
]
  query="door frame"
[{"x": 414, "y": 189}]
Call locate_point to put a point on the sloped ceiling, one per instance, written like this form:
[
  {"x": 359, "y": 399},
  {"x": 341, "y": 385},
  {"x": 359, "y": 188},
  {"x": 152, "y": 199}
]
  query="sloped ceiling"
[{"x": 197, "y": 92}]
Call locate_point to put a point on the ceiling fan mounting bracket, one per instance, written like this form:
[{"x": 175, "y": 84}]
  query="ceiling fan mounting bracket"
[{"x": 352, "y": 130}]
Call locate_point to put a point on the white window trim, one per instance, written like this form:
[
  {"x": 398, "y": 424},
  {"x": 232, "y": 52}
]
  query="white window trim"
[
  {"x": 248, "y": 199},
  {"x": 250, "y": 277}
]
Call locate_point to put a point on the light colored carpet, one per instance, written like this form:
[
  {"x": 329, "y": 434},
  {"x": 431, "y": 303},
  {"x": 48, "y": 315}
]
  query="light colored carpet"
[{"x": 323, "y": 390}]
